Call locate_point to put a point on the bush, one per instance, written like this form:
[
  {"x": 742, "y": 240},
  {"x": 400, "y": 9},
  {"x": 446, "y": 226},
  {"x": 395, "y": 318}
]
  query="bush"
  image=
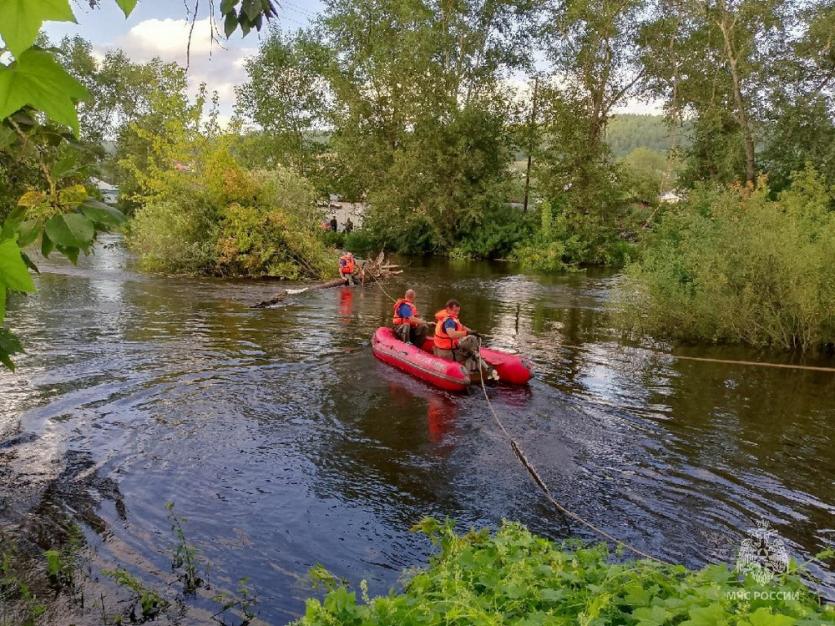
[
  {"x": 518, "y": 579},
  {"x": 496, "y": 235},
  {"x": 731, "y": 265},
  {"x": 567, "y": 239},
  {"x": 172, "y": 236},
  {"x": 223, "y": 219}
]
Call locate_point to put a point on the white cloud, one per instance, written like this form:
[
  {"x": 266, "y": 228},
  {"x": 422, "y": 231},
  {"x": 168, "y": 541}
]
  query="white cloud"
[
  {"x": 218, "y": 64},
  {"x": 169, "y": 38}
]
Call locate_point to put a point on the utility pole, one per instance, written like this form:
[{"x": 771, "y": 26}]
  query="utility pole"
[{"x": 531, "y": 127}]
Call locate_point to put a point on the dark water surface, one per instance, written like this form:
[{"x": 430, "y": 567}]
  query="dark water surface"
[{"x": 285, "y": 443}]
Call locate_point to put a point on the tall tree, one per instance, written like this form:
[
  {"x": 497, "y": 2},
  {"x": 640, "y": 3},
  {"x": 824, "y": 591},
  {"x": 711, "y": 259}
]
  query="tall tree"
[
  {"x": 285, "y": 97},
  {"x": 710, "y": 60},
  {"x": 594, "y": 67},
  {"x": 412, "y": 80}
]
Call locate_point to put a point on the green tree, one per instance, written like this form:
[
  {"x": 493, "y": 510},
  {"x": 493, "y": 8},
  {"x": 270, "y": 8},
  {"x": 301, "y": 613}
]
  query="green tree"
[
  {"x": 284, "y": 96},
  {"x": 710, "y": 59},
  {"x": 648, "y": 173},
  {"x": 799, "y": 120},
  {"x": 419, "y": 115},
  {"x": 162, "y": 125}
]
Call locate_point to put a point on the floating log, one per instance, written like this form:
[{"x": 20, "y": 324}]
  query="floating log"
[{"x": 370, "y": 270}]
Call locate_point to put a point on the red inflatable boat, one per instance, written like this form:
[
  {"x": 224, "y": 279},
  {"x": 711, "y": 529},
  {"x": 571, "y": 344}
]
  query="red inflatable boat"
[{"x": 421, "y": 363}]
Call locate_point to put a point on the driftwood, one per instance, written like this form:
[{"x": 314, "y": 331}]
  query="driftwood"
[{"x": 369, "y": 271}]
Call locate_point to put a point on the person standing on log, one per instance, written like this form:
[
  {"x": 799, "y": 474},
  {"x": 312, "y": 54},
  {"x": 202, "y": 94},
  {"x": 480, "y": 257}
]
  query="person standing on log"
[
  {"x": 347, "y": 265},
  {"x": 453, "y": 340},
  {"x": 408, "y": 326}
]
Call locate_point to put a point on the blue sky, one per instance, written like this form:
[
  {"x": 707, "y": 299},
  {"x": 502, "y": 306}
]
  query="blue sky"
[{"x": 160, "y": 28}]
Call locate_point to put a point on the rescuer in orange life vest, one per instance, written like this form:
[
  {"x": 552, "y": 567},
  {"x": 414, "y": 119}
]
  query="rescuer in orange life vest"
[
  {"x": 347, "y": 265},
  {"x": 408, "y": 326},
  {"x": 453, "y": 340}
]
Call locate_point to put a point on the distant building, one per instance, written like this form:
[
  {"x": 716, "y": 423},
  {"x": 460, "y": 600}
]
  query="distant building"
[
  {"x": 109, "y": 193},
  {"x": 670, "y": 197}
]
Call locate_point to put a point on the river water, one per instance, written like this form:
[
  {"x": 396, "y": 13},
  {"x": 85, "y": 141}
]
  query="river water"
[{"x": 284, "y": 443}]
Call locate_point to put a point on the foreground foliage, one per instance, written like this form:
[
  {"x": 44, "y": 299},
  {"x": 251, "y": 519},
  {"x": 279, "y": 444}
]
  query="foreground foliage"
[
  {"x": 733, "y": 265},
  {"x": 517, "y": 578}
]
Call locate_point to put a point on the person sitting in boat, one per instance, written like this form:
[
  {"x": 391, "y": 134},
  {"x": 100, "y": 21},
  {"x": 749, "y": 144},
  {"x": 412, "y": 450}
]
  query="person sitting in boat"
[
  {"x": 347, "y": 265},
  {"x": 408, "y": 326},
  {"x": 453, "y": 340}
]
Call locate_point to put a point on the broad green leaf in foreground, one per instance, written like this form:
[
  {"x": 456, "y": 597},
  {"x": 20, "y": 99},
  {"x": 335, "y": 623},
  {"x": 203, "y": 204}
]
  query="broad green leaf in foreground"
[
  {"x": 102, "y": 214},
  {"x": 9, "y": 344},
  {"x": 127, "y": 6},
  {"x": 13, "y": 271},
  {"x": 36, "y": 79},
  {"x": 70, "y": 230},
  {"x": 20, "y": 20}
]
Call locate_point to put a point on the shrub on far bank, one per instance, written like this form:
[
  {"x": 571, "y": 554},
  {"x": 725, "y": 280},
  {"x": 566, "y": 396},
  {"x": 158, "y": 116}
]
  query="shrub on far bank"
[
  {"x": 515, "y": 578},
  {"x": 566, "y": 240},
  {"x": 734, "y": 266},
  {"x": 495, "y": 236},
  {"x": 219, "y": 218}
]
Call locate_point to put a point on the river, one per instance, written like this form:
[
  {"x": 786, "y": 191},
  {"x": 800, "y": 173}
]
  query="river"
[{"x": 284, "y": 443}]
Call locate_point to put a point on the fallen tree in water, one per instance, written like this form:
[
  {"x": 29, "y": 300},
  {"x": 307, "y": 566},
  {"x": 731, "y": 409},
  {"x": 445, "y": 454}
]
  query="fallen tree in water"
[{"x": 369, "y": 271}]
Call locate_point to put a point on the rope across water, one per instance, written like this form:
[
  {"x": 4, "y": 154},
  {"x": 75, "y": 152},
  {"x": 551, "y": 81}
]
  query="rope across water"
[{"x": 517, "y": 450}]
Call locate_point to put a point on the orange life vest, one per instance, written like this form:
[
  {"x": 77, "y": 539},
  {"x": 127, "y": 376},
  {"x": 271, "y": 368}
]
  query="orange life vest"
[
  {"x": 442, "y": 340},
  {"x": 397, "y": 320},
  {"x": 348, "y": 266}
]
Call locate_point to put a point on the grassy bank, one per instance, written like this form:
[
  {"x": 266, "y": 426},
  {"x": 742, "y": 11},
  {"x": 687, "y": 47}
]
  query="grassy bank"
[{"x": 516, "y": 578}]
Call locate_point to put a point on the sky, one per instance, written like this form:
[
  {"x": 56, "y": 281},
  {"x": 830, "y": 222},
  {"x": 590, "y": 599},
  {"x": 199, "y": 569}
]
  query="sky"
[{"x": 159, "y": 28}]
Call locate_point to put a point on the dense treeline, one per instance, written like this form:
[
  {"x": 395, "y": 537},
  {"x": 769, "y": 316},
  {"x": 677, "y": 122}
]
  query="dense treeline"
[{"x": 424, "y": 125}]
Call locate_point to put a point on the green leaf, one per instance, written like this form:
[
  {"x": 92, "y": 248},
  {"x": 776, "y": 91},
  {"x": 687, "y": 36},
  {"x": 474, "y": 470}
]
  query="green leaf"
[
  {"x": 70, "y": 230},
  {"x": 230, "y": 24},
  {"x": 127, "y": 6},
  {"x": 102, "y": 214},
  {"x": 2, "y": 303},
  {"x": 66, "y": 164},
  {"x": 243, "y": 21},
  {"x": 252, "y": 8},
  {"x": 227, "y": 5},
  {"x": 9, "y": 344},
  {"x": 705, "y": 616},
  {"x": 20, "y": 20},
  {"x": 764, "y": 617},
  {"x": 652, "y": 616},
  {"x": 36, "y": 79},
  {"x": 13, "y": 271},
  {"x": 70, "y": 253},
  {"x": 47, "y": 245},
  {"x": 27, "y": 233}
]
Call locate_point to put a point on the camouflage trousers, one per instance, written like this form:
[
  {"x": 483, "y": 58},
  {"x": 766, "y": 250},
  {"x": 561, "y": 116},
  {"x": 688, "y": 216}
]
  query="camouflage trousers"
[
  {"x": 466, "y": 353},
  {"x": 412, "y": 334}
]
